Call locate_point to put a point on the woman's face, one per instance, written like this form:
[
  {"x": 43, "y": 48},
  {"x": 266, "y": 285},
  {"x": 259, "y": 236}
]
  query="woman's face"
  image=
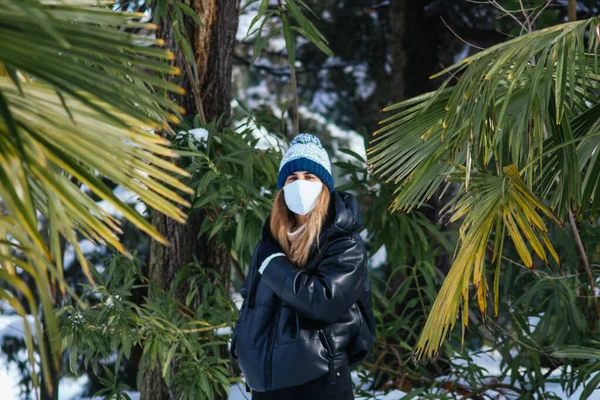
[{"x": 301, "y": 175}]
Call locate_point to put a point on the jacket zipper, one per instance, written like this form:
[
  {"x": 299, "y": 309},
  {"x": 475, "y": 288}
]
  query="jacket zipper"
[
  {"x": 330, "y": 355},
  {"x": 325, "y": 342},
  {"x": 271, "y": 345}
]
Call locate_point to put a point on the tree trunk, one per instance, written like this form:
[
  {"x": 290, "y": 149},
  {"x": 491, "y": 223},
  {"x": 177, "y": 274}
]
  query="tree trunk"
[
  {"x": 398, "y": 11},
  {"x": 420, "y": 46},
  {"x": 213, "y": 45}
]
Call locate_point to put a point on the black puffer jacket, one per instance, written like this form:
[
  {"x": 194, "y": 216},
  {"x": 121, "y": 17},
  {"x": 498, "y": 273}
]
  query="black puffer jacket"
[{"x": 296, "y": 325}]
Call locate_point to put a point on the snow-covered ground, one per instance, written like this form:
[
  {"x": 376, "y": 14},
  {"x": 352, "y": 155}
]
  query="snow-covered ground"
[
  {"x": 9, "y": 376},
  {"x": 71, "y": 388}
]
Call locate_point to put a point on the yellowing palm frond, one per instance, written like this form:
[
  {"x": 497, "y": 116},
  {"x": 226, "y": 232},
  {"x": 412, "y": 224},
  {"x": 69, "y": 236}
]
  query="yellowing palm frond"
[
  {"x": 525, "y": 113},
  {"x": 491, "y": 206},
  {"x": 79, "y": 98}
]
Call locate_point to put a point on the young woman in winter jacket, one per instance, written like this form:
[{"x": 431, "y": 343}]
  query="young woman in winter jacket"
[{"x": 300, "y": 326}]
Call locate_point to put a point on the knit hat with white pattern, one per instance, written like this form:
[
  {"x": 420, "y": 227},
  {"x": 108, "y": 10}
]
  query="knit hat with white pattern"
[{"x": 306, "y": 154}]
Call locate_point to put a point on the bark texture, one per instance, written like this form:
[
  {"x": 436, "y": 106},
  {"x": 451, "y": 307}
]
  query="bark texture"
[{"x": 210, "y": 77}]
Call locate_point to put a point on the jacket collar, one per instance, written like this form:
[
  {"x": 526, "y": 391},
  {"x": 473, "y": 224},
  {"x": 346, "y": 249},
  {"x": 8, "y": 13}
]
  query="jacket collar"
[{"x": 343, "y": 216}]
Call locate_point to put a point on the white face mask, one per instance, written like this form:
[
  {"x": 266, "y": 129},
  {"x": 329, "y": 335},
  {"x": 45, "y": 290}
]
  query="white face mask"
[{"x": 301, "y": 196}]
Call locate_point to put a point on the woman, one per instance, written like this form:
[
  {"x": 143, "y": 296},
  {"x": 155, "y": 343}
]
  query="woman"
[{"x": 300, "y": 327}]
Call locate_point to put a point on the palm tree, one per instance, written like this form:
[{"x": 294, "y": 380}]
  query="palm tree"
[
  {"x": 516, "y": 128},
  {"x": 79, "y": 100}
]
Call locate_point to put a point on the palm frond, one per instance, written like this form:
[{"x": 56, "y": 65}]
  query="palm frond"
[
  {"x": 508, "y": 100},
  {"x": 492, "y": 206},
  {"x": 79, "y": 100},
  {"x": 79, "y": 50},
  {"x": 524, "y": 115}
]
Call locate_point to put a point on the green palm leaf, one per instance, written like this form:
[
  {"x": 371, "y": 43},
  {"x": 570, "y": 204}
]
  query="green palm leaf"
[
  {"x": 79, "y": 100},
  {"x": 518, "y": 129},
  {"x": 508, "y": 99}
]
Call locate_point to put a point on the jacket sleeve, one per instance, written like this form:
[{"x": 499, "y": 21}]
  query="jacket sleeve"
[{"x": 326, "y": 292}]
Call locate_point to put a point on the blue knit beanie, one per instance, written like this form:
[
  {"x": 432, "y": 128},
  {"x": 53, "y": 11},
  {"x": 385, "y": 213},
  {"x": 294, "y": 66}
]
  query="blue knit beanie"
[{"x": 305, "y": 154}]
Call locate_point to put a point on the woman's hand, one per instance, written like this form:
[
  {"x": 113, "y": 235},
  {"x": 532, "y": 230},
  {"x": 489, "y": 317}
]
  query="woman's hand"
[{"x": 269, "y": 249}]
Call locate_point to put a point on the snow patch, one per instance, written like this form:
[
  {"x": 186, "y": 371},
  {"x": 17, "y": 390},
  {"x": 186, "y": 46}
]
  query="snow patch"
[
  {"x": 266, "y": 140},
  {"x": 323, "y": 101},
  {"x": 200, "y": 134},
  {"x": 277, "y": 43},
  {"x": 379, "y": 258},
  {"x": 86, "y": 247},
  {"x": 237, "y": 299},
  {"x": 464, "y": 52},
  {"x": 244, "y": 22},
  {"x": 349, "y": 139},
  {"x": 223, "y": 331},
  {"x": 127, "y": 197},
  {"x": 70, "y": 388},
  {"x": 13, "y": 325},
  {"x": 365, "y": 85},
  {"x": 9, "y": 376}
]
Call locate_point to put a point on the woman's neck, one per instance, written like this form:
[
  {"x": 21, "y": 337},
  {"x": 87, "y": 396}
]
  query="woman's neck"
[{"x": 301, "y": 219}]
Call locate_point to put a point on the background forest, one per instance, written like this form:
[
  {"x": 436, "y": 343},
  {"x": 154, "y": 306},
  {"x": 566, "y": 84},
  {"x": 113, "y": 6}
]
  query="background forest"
[{"x": 139, "y": 148}]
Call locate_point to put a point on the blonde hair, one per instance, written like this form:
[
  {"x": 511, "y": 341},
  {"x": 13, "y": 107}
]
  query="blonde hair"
[{"x": 283, "y": 220}]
